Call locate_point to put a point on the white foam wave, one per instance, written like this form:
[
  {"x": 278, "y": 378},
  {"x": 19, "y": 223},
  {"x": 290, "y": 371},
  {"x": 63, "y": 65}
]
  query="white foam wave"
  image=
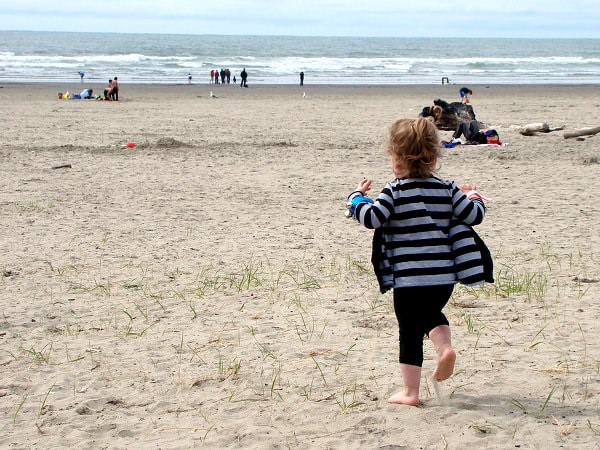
[{"x": 155, "y": 61}]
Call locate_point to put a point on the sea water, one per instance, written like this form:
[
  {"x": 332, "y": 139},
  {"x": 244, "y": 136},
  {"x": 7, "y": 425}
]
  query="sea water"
[{"x": 160, "y": 58}]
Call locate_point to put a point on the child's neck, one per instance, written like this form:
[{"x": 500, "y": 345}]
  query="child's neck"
[{"x": 402, "y": 173}]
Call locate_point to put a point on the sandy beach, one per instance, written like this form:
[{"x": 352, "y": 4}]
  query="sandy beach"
[{"x": 203, "y": 289}]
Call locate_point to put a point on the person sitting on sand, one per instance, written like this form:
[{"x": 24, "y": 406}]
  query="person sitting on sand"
[
  {"x": 472, "y": 134},
  {"x": 108, "y": 91}
]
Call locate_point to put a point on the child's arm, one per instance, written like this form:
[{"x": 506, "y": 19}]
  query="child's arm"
[
  {"x": 468, "y": 204},
  {"x": 358, "y": 196},
  {"x": 370, "y": 213}
]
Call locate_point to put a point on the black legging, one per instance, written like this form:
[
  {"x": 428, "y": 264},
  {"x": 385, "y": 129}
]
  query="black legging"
[
  {"x": 419, "y": 310},
  {"x": 469, "y": 131}
]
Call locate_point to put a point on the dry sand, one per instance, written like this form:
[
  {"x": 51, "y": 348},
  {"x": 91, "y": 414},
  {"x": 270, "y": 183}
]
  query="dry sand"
[{"x": 204, "y": 289}]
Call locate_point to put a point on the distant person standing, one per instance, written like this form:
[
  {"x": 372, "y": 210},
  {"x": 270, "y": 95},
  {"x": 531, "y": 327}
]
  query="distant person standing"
[
  {"x": 189, "y": 78},
  {"x": 301, "y": 78},
  {"x": 81, "y": 75},
  {"x": 244, "y": 76},
  {"x": 115, "y": 90}
]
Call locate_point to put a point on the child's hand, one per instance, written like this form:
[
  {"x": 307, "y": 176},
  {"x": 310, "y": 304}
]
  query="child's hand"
[
  {"x": 471, "y": 192},
  {"x": 467, "y": 187},
  {"x": 364, "y": 186}
]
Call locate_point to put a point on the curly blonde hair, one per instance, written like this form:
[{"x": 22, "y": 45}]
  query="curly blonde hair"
[{"x": 414, "y": 146}]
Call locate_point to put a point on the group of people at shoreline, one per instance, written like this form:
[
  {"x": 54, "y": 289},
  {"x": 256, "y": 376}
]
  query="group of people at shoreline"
[{"x": 223, "y": 76}]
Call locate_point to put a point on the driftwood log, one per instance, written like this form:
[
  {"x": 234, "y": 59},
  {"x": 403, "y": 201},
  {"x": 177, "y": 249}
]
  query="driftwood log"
[
  {"x": 451, "y": 114},
  {"x": 581, "y": 132},
  {"x": 535, "y": 128}
]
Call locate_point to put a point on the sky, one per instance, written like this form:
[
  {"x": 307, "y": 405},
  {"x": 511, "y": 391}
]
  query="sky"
[{"x": 386, "y": 18}]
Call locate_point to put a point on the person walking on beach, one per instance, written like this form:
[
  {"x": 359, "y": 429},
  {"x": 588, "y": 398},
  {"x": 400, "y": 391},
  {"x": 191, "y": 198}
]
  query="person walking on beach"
[
  {"x": 244, "y": 76},
  {"x": 412, "y": 247},
  {"x": 301, "y": 78}
]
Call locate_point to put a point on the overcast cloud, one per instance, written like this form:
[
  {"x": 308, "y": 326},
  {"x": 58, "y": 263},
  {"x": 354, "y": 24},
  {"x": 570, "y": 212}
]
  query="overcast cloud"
[{"x": 406, "y": 18}]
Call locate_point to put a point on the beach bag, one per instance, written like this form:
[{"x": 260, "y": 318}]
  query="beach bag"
[{"x": 473, "y": 261}]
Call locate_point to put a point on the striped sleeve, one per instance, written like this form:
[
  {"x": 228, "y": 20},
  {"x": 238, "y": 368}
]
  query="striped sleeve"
[
  {"x": 469, "y": 212},
  {"x": 374, "y": 215}
]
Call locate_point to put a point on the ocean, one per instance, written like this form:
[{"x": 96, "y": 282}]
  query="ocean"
[{"x": 160, "y": 58}]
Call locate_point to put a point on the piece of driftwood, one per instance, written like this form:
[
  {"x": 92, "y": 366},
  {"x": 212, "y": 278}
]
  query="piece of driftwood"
[
  {"x": 62, "y": 166},
  {"x": 581, "y": 132},
  {"x": 535, "y": 128}
]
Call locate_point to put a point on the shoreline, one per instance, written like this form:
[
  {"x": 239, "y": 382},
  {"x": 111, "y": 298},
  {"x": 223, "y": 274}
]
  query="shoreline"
[
  {"x": 308, "y": 85},
  {"x": 483, "y": 97}
]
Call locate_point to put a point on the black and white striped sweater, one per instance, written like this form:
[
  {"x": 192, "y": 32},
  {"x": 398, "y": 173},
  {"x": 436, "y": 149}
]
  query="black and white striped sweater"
[{"x": 416, "y": 215}]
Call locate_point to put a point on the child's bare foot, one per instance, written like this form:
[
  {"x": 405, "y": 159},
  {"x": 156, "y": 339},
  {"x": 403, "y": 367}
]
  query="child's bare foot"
[
  {"x": 401, "y": 398},
  {"x": 445, "y": 365}
]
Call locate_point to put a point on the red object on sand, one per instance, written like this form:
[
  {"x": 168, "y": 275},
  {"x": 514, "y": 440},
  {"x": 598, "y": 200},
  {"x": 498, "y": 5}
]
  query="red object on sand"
[{"x": 131, "y": 144}]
